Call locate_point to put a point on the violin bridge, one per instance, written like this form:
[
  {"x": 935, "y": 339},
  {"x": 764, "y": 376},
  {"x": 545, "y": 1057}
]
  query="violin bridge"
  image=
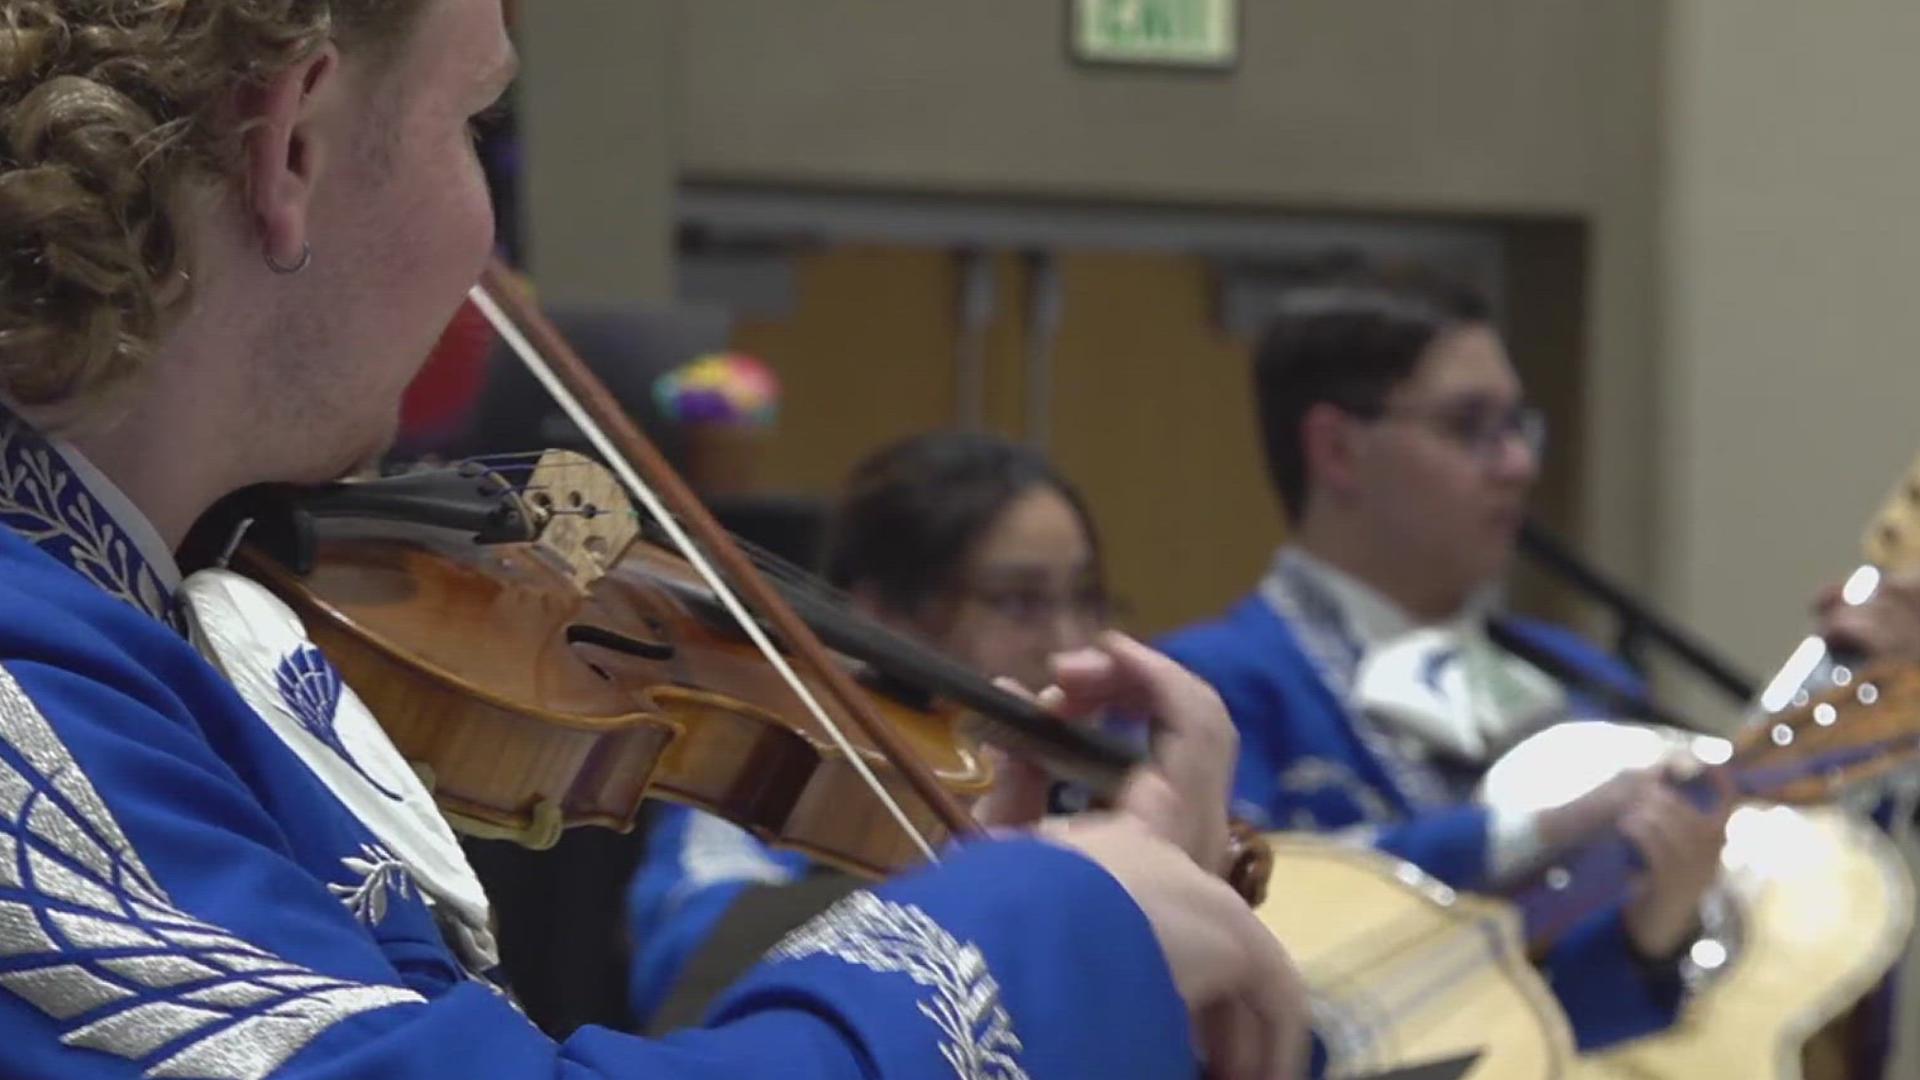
[{"x": 589, "y": 521}]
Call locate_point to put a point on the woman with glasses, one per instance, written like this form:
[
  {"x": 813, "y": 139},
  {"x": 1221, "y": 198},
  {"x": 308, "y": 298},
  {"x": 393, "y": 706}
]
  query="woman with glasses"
[
  {"x": 1363, "y": 672},
  {"x": 970, "y": 542},
  {"x": 975, "y": 544}
]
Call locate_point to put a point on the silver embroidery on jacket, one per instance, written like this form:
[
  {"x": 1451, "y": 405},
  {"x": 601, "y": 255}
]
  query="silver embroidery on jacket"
[
  {"x": 884, "y": 936},
  {"x": 378, "y": 874},
  {"x": 43, "y": 501},
  {"x": 73, "y": 890}
]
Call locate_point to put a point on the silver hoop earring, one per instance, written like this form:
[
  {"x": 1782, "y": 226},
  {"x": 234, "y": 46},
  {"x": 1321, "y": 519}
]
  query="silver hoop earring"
[{"x": 306, "y": 256}]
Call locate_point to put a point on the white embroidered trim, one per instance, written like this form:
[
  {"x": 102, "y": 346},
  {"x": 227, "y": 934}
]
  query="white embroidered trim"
[
  {"x": 884, "y": 936},
  {"x": 257, "y": 642},
  {"x": 91, "y": 939}
]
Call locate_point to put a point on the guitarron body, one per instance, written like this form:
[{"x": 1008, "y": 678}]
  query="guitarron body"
[
  {"x": 1825, "y": 906},
  {"x": 1403, "y": 971}
]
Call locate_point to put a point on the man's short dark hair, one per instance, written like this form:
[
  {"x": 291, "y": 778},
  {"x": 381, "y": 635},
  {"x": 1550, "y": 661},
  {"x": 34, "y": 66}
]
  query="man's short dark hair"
[{"x": 1346, "y": 336}]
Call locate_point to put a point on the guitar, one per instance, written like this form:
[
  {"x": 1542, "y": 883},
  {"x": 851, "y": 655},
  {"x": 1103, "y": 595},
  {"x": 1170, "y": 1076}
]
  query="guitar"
[
  {"x": 1825, "y": 908},
  {"x": 1403, "y": 971},
  {"x": 1812, "y": 907},
  {"x": 1818, "y": 930}
]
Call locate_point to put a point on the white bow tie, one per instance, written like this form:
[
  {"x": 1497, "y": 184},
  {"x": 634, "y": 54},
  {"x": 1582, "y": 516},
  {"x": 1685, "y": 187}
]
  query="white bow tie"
[{"x": 1453, "y": 691}]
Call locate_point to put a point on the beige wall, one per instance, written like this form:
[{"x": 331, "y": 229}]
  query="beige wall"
[
  {"x": 1745, "y": 172},
  {"x": 1515, "y": 109},
  {"x": 1790, "y": 374},
  {"x": 1497, "y": 107},
  {"x": 599, "y": 147},
  {"x": 1458, "y": 104}
]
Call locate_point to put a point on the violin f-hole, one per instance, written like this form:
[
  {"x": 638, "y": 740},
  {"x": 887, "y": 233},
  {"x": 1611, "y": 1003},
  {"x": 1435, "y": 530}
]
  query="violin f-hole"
[{"x": 660, "y": 651}]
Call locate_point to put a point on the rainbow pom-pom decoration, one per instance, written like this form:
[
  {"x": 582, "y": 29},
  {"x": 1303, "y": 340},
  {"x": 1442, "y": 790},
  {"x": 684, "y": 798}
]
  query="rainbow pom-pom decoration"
[{"x": 720, "y": 390}]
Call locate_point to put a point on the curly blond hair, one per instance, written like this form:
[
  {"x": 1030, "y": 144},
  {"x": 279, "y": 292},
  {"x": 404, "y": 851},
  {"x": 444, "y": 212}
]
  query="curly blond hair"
[{"x": 108, "y": 112}]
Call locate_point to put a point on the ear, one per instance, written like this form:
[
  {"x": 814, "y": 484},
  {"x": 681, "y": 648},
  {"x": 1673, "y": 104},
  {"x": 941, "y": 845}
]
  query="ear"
[
  {"x": 285, "y": 150},
  {"x": 1329, "y": 446}
]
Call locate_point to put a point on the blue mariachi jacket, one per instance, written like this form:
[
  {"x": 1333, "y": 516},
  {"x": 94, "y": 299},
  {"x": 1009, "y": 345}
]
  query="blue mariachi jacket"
[
  {"x": 693, "y": 868},
  {"x": 180, "y": 896},
  {"x": 1304, "y": 764}
]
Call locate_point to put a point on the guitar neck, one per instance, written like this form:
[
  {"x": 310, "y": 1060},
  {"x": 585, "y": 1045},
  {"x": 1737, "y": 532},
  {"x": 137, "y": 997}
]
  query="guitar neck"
[{"x": 1600, "y": 872}]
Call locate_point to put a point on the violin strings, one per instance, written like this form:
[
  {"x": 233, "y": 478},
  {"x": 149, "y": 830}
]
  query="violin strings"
[
  {"x": 762, "y": 558},
  {"x": 505, "y": 457},
  {"x": 528, "y": 462},
  {"x": 826, "y": 608},
  {"x": 538, "y": 367},
  {"x": 915, "y": 660}
]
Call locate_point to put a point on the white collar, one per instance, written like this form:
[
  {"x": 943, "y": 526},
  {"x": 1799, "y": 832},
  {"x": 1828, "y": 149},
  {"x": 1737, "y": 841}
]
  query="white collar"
[{"x": 1367, "y": 614}]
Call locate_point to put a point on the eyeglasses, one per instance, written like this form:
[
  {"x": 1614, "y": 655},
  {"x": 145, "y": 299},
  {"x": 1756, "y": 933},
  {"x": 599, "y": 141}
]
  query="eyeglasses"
[
  {"x": 1031, "y": 606},
  {"x": 1482, "y": 432}
]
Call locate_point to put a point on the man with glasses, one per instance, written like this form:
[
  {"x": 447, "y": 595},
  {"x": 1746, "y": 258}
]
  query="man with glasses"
[{"x": 1369, "y": 694}]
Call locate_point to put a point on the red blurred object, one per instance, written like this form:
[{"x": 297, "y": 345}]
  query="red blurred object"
[{"x": 441, "y": 399}]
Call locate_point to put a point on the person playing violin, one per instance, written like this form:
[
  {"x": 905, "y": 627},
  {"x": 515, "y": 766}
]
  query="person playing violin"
[
  {"x": 971, "y": 542},
  {"x": 1368, "y": 692},
  {"x": 232, "y": 231}
]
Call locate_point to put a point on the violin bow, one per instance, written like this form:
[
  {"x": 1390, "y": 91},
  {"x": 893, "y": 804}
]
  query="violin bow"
[{"x": 644, "y": 471}]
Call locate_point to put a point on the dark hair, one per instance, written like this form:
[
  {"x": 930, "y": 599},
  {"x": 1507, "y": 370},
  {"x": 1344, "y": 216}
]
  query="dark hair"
[
  {"x": 1346, "y": 335},
  {"x": 912, "y": 512}
]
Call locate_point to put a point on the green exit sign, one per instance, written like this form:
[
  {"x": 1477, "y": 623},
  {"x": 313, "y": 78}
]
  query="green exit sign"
[{"x": 1195, "y": 33}]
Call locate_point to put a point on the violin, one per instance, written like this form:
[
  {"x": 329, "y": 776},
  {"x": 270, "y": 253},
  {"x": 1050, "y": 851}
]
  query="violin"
[
  {"x": 528, "y": 639},
  {"x": 525, "y": 642}
]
